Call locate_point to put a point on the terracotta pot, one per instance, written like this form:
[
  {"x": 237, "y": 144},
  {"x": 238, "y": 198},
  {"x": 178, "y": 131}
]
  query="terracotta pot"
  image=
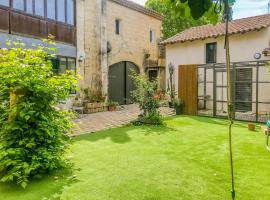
[
  {"x": 251, "y": 126},
  {"x": 111, "y": 108}
]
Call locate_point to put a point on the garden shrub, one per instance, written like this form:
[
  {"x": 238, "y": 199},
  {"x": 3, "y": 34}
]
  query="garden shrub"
[
  {"x": 149, "y": 98},
  {"x": 33, "y": 138}
]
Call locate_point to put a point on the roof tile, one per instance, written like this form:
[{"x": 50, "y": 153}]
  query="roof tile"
[
  {"x": 139, "y": 8},
  {"x": 209, "y": 31}
]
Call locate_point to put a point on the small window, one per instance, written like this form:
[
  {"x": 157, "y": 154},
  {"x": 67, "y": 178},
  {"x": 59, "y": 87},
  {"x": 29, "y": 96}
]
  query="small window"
[
  {"x": 29, "y": 6},
  {"x": 211, "y": 52},
  {"x": 18, "y": 4},
  {"x": 70, "y": 12},
  {"x": 4, "y": 3},
  {"x": 61, "y": 15},
  {"x": 51, "y": 9},
  {"x": 152, "y": 36},
  {"x": 39, "y": 7},
  {"x": 153, "y": 75},
  {"x": 63, "y": 65},
  {"x": 60, "y": 65},
  {"x": 71, "y": 64},
  {"x": 117, "y": 26}
]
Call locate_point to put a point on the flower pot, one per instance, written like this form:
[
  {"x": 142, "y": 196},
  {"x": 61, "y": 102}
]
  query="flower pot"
[
  {"x": 179, "y": 110},
  {"x": 111, "y": 108},
  {"x": 251, "y": 126}
]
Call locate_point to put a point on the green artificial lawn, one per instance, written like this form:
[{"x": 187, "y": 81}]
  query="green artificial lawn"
[{"x": 186, "y": 159}]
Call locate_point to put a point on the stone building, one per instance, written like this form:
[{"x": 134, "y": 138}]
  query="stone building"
[{"x": 113, "y": 37}]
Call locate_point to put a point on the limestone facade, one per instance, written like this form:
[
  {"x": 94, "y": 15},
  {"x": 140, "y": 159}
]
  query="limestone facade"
[{"x": 99, "y": 46}]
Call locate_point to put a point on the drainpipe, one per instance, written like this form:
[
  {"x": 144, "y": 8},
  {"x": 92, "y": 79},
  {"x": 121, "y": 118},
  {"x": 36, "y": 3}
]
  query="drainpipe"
[{"x": 103, "y": 47}]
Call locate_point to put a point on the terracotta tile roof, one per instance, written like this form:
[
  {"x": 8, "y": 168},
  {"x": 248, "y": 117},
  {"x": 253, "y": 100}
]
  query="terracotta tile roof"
[
  {"x": 139, "y": 8},
  {"x": 209, "y": 31}
]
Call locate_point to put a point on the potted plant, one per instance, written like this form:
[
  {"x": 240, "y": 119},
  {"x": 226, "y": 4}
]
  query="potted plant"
[
  {"x": 251, "y": 126},
  {"x": 112, "y": 105},
  {"x": 178, "y": 105},
  {"x": 171, "y": 85}
]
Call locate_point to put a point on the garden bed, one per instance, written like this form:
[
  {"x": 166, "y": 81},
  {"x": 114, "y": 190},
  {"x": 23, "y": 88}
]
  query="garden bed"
[{"x": 95, "y": 107}]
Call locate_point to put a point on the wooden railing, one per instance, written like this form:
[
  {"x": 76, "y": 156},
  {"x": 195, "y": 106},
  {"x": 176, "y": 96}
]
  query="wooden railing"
[{"x": 19, "y": 23}]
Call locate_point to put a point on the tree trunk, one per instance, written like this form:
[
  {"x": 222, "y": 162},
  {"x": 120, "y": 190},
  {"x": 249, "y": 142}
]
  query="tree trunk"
[{"x": 14, "y": 96}]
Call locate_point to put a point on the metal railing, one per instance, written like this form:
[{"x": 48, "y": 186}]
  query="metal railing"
[{"x": 251, "y": 90}]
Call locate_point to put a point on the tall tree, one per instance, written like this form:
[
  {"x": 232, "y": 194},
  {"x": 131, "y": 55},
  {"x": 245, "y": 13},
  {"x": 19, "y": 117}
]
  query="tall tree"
[
  {"x": 178, "y": 16},
  {"x": 198, "y": 9}
]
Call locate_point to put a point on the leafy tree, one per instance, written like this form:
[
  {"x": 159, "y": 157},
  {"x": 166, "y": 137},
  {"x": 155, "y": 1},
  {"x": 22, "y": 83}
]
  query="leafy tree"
[
  {"x": 177, "y": 16},
  {"x": 198, "y": 7},
  {"x": 32, "y": 129}
]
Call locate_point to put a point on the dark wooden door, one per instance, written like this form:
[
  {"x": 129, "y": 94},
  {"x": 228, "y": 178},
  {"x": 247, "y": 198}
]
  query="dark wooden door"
[
  {"x": 188, "y": 88},
  {"x": 121, "y": 84}
]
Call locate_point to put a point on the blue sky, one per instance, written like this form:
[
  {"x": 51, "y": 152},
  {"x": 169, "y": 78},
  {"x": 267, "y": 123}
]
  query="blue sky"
[{"x": 242, "y": 8}]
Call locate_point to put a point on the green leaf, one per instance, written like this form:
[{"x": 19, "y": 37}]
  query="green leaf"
[{"x": 23, "y": 185}]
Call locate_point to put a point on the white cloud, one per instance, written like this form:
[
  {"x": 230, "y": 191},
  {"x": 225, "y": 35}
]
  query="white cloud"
[
  {"x": 247, "y": 8},
  {"x": 142, "y": 2}
]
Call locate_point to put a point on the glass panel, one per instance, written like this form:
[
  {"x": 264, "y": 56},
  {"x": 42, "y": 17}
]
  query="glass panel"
[
  {"x": 117, "y": 27},
  {"x": 51, "y": 9},
  {"x": 211, "y": 49},
  {"x": 70, "y": 12},
  {"x": 152, "y": 36},
  {"x": 61, "y": 10},
  {"x": 55, "y": 65},
  {"x": 71, "y": 64},
  {"x": 153, "y": 74},
  {"x": 18, "y": 4},
  {"x": 39, "y": 7},
  {"x": 63, "y": 66},
  {"x": 29, "y": 6},
  {"x": 4, "y": 2}
]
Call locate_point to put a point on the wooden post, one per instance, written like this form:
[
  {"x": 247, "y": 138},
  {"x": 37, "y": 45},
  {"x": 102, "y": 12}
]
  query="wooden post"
[{"x": 14, "y": 96}]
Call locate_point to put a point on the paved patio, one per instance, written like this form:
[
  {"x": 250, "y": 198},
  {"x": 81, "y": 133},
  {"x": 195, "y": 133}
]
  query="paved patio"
[{"x": 105, "y": 120}]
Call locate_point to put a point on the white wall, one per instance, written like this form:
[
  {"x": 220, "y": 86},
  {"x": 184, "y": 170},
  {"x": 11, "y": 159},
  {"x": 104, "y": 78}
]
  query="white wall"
[{"x": 242, "y": 47}]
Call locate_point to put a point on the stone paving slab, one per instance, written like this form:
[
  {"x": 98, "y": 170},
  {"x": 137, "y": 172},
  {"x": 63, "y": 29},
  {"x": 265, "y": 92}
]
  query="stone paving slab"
[{"x": 105, "y": 120}]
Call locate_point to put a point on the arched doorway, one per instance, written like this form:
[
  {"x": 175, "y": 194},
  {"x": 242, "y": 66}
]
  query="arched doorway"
[{"x": 120, "y": 83}]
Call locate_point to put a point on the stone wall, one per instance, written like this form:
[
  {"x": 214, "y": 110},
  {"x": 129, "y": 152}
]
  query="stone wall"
[{"x": 131, "y": 45}]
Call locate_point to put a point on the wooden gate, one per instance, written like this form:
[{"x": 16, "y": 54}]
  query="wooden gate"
[{"x": 188, "y": 88}]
